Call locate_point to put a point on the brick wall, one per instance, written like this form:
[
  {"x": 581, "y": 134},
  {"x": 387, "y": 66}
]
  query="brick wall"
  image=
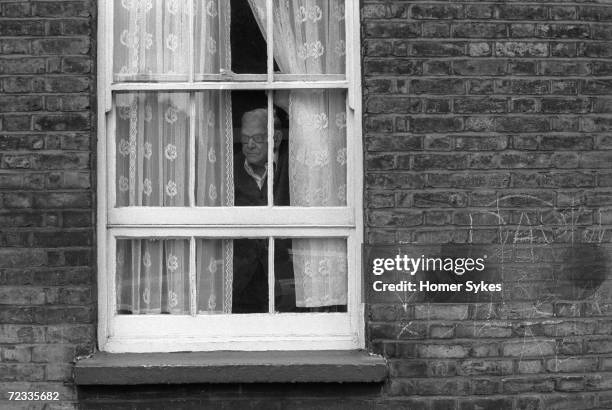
[
  {"x": 484, "y": 122},
  {"x": 489, "y": 122},
  {"x": 47, "y": 307}
]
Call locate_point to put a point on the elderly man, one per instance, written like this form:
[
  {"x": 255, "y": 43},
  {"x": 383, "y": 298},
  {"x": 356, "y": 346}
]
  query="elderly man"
[
  {"x": 250, "y": 285},
  {"x": 250, "y": 165}
]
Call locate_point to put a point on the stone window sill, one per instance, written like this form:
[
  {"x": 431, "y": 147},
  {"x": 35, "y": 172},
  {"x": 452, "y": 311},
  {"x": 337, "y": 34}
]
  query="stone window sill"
[{"x": 327, "y": 366}]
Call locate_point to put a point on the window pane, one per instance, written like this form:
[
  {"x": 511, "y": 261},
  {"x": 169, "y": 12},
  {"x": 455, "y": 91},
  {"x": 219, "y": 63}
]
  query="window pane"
[
  {"x": 232, "y": 275},
  {"x": 310, "y": 275},
  {"x": 152, "y": 276},
  {"x": 251, "y": 168},
  {"x": 309, "y": 36},
  {"x": 214, "y": 149},
  {"x": 211, "y": 38},
  {"x": 151, "y": 40},
  {"x": 152, "y": 149},
  {"x": 249, "y": 49},
  {"x": 231, "y": 148},
  {"x": 317, "y": 153},
  {"x": 160, "y": 40}
]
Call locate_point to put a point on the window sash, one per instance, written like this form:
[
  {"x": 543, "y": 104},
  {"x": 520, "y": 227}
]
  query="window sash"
[
  {"x": 118, "y": 215},
  {"x": 259, "y": 331},
  {"x": 270, "y": 80}
]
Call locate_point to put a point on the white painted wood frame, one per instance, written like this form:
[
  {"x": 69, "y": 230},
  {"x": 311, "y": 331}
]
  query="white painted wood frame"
[{"x": 200, "y": 332}]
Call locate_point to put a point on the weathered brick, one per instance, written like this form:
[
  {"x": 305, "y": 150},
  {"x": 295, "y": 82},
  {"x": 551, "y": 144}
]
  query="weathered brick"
[
  {"x": 522, "y": 67},
  {"x": 473, "y": 367},
  {"x": 522, "y": 86},
  {"x": 595, "y": 13},
  {"x": 480, "y": 105},
  {"x": 63, "y": 9},
  {"x": 479, "y": 11},
  {"x": 563, "y": 49},
  {"x": 442, "y": 351},
  {"x": 595, "y": 50},
  {"x": 563, "y": 68},
  {"x": 528, "y": 348},
  {"x": 395, "y": 218},
  {"x": 444, "y": 86},
  {"x": 64, "y": 122},
  {"x": 421, "y": 125},
  {"x": 21, "y": 28},
  {"x": 521, "y": 49},
  {"x": 600, "y": 32},
  {"x": 396, "y": 67},
  {"x": 436, "y": 67},
  {"x": 399, "y": 105},
  {"x": 571, "y": 365},
  {"x": 524, "y": 385},
  {"x": 597, "y": 87},
  {"x": 487, "y": 403},
  {"x": 437, "y": 49},
  {"x": 437, "y": 11},
  {"x": 440, "y": 199},
  {"x": 60, "y": 46},
  {"x": 563, "y": 13},
  {"x": 439, "y": 161},
  {"x": 522, "y": 12},
  {"x": 408, "y": 368},
  {"x": 394, "y": 143},
  {"x": 479, "y": 67},
  {"x": 396, "y": 180},
  {"x": 435, "y": 29},
  {"x": 479, "y": 30},
  {"x": 392, "y": 29},
  {"x": 479, "y": 49},
  {"x": 562, "y": 31}
]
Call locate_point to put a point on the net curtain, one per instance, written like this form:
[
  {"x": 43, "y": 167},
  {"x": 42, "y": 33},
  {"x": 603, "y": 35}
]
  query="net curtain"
[
  {"x": 309, "y": 38},
  {"x": 152, "y": 152}
]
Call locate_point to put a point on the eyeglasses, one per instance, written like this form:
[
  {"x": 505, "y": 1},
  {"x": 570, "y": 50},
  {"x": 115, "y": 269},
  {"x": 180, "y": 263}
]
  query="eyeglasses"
[{"x": 258, "y": 138}]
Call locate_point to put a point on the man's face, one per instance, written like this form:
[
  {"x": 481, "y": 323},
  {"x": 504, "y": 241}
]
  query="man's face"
[{"x": 256, "y": 153}]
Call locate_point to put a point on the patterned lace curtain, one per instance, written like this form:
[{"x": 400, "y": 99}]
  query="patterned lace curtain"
[
  {"x": 152, "y": 148},
  {"x": 309, "y": 38}
]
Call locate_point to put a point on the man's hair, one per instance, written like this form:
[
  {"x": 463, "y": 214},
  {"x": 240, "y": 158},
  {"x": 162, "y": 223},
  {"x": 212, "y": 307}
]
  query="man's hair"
[{"x": 261, "y": 115}]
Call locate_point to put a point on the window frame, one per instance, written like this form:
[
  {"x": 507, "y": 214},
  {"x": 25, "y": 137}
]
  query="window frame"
[{"x": 265, "y": 331}]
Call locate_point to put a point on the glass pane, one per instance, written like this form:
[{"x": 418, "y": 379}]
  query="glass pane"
[
  {"x": 310, "y": 275},
  {"x": 232, "y": 275},
  {"x": 152, "y": 276},
  {"x": 309, "y": 36},
  {"x": 211, "y": 38},
  {"x": 250, "y": 118},
  {"x": 317, "y": 153},
  {"x": 152, "y": 149},
  {"x": 151, "y": 40},
  {"x": 214, "y": 149},
  {"x": 249, "y": 49}
]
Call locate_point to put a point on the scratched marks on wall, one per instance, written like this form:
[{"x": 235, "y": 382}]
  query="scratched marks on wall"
[
  {"x": 544, "y": 224},
  {"x": 563, "y": 247},
  {"x": 552, "y": 318},
  {"x": 555, "y": 267}
]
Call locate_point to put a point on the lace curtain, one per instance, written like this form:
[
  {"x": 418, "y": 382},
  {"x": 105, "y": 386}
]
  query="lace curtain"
[
  {"x": 152, "y": 151},
  {"x": 309, "y": 38},
  {"x": 152, "y": 39}
]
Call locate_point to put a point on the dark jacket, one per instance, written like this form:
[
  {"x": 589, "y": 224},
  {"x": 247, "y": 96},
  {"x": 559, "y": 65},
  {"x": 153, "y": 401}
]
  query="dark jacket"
[{"x": 250, "y": 285}]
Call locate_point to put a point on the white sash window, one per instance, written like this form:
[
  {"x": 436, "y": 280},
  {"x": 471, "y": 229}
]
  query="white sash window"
[{"x": 229, "y": 200}]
